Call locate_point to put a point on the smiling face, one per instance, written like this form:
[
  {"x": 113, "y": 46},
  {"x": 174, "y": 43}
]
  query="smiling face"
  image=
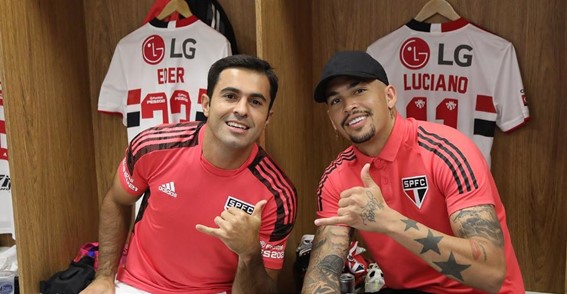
[
  {"x": 362, "y": 111},
  {"x": 239, "y": 111}
]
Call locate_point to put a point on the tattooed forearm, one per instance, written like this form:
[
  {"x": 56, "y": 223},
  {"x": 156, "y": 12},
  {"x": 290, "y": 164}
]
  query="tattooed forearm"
[
  {"x": 430, "y": 242},
  {"x": 325, "y": 276},
  {"x": 479, "y": 221},
  {"x": 369, "y": 210},
  {"x": 327, "y": 261},
  {"x": 331, "y": 265},
  {"x": 410, "y": 224},
  {"x": 452, "y": 268}
]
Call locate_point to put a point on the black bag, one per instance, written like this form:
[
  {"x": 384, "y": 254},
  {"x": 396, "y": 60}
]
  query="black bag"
[{"x": 72, "y": 280}]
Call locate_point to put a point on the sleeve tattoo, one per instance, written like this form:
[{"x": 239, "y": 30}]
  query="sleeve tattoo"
[
  {"x": 479, "y": 221},
  {"x": 328, "y": 262}
]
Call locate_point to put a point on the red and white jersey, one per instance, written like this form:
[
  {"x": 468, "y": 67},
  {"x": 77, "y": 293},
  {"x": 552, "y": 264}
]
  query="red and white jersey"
[
  {"x": 456, "y": 74},
  {"x": 166, "y": 254},
  {"x": 159, "y": 72},
  {"x": 6, "y": 209}
]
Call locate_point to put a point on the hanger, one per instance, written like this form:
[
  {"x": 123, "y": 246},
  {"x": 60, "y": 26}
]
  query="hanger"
[
  {"x": 433, "y": 7},
  {"x": 179, "y": 6}
]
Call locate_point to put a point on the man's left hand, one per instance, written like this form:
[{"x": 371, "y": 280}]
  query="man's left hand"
[{"x": 238, "y": 230}]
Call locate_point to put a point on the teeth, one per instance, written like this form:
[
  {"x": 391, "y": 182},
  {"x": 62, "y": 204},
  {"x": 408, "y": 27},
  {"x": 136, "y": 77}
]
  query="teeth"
[
  {"x": 360, "y": 118},
  {"x": 236, "y": 125}
]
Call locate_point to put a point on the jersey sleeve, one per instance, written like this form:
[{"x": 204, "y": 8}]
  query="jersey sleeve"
[
  {"x": 463, "y": 175},
  {"x": 510, "y": 99},
  {"x": 114, "y": 88},
  {"x": 275, "y": 230},
  {"x": 131, "y": 170},
  {"x": 328, "y": 198}
]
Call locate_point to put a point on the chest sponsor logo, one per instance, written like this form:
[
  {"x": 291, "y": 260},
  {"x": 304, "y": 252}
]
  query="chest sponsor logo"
[
  {"x": 416, "y": 189},
  {"x": 154, "y": 49},
  {"x": 237, "y": 203},
  {"x": 415, "y": 54},
  {"x": 169, "y": 189}
]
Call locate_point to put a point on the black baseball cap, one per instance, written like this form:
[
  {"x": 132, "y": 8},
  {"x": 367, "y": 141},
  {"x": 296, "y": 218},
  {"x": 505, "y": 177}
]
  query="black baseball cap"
[{"x": 356, "y": 64}]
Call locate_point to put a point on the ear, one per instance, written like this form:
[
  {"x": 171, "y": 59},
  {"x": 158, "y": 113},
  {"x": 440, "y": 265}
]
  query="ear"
[
  {"x": 332, "y": 122},
  {"x": 206, "y": 104},
  {"x": 391, "y": 96},
  {"x": 270, "y": 113}
]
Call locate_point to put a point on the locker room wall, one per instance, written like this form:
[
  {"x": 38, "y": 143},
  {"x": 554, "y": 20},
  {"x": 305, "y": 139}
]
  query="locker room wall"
[
  {"x": 529, "y": 165},
  {"x": 43, "y": 65},
  {"x": 46, "y": 45}
]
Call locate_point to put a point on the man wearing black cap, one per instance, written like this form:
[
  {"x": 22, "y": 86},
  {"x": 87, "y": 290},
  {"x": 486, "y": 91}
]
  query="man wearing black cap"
[{"x": 420, "y": 194}]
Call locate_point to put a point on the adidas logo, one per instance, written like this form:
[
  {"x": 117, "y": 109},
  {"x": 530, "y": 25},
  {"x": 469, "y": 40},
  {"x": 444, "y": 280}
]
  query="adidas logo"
[{"x": 168, "y": 189}]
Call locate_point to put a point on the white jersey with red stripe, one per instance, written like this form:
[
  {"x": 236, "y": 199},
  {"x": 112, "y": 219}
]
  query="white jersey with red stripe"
[
  {"x": 6, "y": 209},
  {"x": 457, "y": 74},
  {"x": 159, "y": 72}
]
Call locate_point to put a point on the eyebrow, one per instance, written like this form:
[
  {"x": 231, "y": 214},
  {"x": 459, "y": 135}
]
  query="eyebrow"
[
  {"x": 350, "y": 86},
  {"x": 236, "y": 90}
]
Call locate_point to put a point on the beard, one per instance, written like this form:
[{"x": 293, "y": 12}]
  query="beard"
[{"x": 363, "y": 137}]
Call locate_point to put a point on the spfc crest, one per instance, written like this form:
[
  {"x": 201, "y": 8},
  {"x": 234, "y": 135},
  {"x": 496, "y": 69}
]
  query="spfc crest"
[{"x": 416, "y": 189}]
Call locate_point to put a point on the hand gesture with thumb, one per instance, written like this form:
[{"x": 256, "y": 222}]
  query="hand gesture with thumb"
[
  {"x": 360, "y": 207},
  {"x": 238, "y": 230}
]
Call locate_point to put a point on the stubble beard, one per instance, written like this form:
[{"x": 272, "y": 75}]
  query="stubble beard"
[{"x": 364, "y": 137}]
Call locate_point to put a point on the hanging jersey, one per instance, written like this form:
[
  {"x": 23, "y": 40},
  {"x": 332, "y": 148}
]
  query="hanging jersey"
[
  {"x": 6, "y": 208},
  {"x": 159, "y": 72},
  {"x": 166, "y": 254},
  {"x": 456, "y": 74},
  {"x": 208, "y": 11}
]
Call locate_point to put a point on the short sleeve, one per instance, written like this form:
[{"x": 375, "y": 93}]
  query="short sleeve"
[
  {"x": 510, "y": 99},
  {"x": 114, "y": 88}
]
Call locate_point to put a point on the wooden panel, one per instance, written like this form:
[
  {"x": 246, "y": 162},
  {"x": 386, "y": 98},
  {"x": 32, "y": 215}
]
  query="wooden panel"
[
  {"x": 529, "y": 165},
  {"x": 49, "y": 133},
  {"x": 284, "y": 40},
  {"x": 243, "y": 20},
  {"x": 106, "y": 23}
]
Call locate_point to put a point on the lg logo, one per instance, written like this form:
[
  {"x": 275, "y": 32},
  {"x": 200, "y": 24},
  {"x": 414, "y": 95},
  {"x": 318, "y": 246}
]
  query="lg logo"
[
  {"x": 153, "y": 49},
  {"x": 414, "y": 53}
]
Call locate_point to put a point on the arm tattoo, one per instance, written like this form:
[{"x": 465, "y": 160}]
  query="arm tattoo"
[
  {"x": 369, "y": 210},
  {"x": 410, "y": 224},
  {"x": 430, "y": 242},
  {"x": 480, "y": 221},
  {"x": 452, "y": 268},
  {"x": 331, "y": 266},
  {"x": 327, "y": 262}
]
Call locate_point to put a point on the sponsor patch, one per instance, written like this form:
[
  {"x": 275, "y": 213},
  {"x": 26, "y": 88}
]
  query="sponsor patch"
[
  {"x": 237, "y": 203},
  {"x": 416, "y": 189}
]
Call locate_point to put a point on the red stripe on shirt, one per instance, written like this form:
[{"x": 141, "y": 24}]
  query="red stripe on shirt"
[{"x": 485, "y": 104}]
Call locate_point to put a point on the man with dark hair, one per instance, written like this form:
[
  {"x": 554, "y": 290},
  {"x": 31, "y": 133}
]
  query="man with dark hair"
[
  {"x": 420, "y": 194},
  {"x": 243, "y": 61},
  {"x": 217, "y": 210}
]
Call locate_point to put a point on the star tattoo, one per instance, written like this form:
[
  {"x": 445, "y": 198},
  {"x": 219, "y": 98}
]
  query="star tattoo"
[
  {"x": 452, "y": 268},
  {"x": 410, "y": 224},
  {"x": 430, "y": 243}
]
